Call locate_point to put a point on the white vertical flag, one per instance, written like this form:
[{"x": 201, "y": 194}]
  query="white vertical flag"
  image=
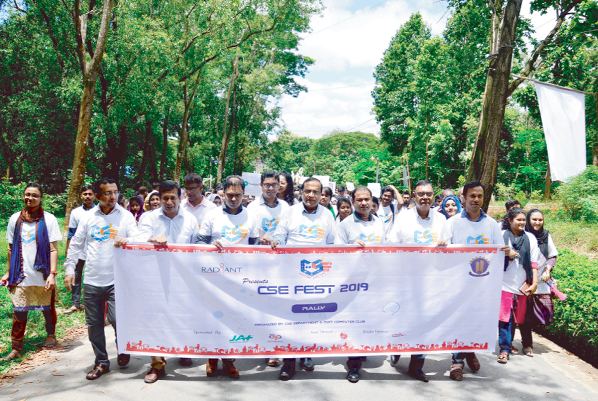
[{"x": 564, "y": 123}]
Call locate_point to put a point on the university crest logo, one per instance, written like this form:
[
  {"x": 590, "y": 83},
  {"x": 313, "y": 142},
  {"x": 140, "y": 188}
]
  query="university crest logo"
[
  {"x": 425, "y": 237},
  {"x": 103, "y": 234},
  {"x": 313, "y": 232},
  {"x": 233, "y": 235},
  {"x": 371, "y": 238},
  {"x": 479, "y": 267},
  {"x": 315, "y": 269},
  {"x": 269, "y": 226}
]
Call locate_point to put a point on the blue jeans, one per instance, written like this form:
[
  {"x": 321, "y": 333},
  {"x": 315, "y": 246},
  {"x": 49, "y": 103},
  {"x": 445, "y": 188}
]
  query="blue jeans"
[
  {"x": 94, "y": 300},
  {"x": 506, "y": 332},
  {"x": 459, "y": 357}
]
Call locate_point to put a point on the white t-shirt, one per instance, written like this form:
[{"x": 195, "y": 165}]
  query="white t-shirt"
[
  {"x": 460, "y": 230},
  {"x": 298, "y": 227},
  {"x": 77, "y": 214},
  {"x": 543, "y": 288},
  {"x": 354, "y": 228},
  {"x": 410, "y": 228},
  {"x": 229, "y": 229},
  {"x": 387, "y": 216},
  {"x": 515, "y": 276},
  {"x": 200, "y": 210},
  {"x": 266, "y": 217},
  {"x": 98, "y": 232},
  {"x": 29, "y": 246},
  {"x": 182, "y": 229}
]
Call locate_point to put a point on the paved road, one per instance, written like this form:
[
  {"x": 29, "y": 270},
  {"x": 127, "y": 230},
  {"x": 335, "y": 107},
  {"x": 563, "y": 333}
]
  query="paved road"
[{"x": 551, "y": 375}]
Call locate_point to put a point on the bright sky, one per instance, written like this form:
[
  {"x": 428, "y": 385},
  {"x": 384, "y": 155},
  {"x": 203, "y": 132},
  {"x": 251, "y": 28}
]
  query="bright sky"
[{"x": 347, "y": 54}]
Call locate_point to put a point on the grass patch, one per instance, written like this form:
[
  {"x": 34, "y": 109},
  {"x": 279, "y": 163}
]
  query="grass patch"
[{"x": 36, "y": 332}]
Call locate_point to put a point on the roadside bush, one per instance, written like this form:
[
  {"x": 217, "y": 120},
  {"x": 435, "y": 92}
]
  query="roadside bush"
[
  {"x": 522, "y": 198},
  {"x": 579, "y": 195},
  {"x": 575, "y": 323}
]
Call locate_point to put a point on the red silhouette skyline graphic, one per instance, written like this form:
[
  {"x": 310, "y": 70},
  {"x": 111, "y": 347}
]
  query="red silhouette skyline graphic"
[{"x": 450, "y": 346}]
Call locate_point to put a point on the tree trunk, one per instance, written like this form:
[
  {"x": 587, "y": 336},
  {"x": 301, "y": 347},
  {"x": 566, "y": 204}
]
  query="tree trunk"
[
  {"x": 89, "y": 71},
  {"x": 227, "y": 129},
  {"x": 484, "y": 161},
  {"x": 164, "y": 145},
  {"x": 147, "y": 144}
]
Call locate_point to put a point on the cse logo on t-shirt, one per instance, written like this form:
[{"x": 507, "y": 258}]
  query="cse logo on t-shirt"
[
  {"x": 386, "y": 218},
  {"x": 371, "y": 238},
  {"x": 234, "y": 235},
  {"x": 28, "y": 236},
  {"x": 313, "y": 232},
  {"x": 269, "y": 226},
  {"x": 424, "y": 237},
  {"x": 479, "y": 240},
  {"x": 103, "y": 234}
]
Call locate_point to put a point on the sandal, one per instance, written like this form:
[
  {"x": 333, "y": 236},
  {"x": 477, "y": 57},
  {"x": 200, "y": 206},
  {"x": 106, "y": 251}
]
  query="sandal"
[
  {"x": 97, "y": 371},
  {"x": 503, "y": 357},
  {"x": 70, "y": 310},
  {"x": 528, "y": 352},
  {"x": 50, "y": 341},
  {"x": 514, "y": 351},
  {"x": 14, "y": 354}
]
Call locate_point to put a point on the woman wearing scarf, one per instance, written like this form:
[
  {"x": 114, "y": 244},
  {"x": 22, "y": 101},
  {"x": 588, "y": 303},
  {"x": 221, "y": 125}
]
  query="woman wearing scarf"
[
  {"x": 520, "y": 278},
  {"x": 215, "y": 199},
  {"x": 450, "y": 206},
  {"x": 539, "y": 305},
  {"x": 32, "y": 236}
]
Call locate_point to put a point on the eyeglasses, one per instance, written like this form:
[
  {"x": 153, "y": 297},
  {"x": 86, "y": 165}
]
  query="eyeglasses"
[
  {"x": 192, "y": 189},
  {"x": 111, "y": 194},
  {"x": 33, "y": 196},
  {"x": 268, "y": 186},
  {"x": 422, "y": 194}
]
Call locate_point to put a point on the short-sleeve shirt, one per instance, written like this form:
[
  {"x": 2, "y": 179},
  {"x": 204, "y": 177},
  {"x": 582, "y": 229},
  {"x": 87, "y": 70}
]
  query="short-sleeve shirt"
[
  {"x": 459, "y": 229},
  {"x": 299, "y": 227},
  {"x": 543, "y": 288},
  {"x": 515, "y": 275},
  {"x": 29, "y": 246},
  {"x": 267, "y": 217},
  {"x": 229, "y": 229},
  {"x": 200, "y": 210},
  {"x": 182, "y": 229},
  {"x": 77, "y": 214},
  {"x": 354, "y": 228},
  {"x": 410, "y": 228}
]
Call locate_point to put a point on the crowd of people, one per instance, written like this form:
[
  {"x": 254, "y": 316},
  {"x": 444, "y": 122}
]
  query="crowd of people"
[{"x": 284, "y": 214}]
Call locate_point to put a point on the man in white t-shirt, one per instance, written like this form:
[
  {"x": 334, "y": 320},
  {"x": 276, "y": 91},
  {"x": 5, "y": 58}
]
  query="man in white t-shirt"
[
  {"x": 77, "y": 214},
  {"x": 362, "y": 228},
  {"x": 307, "y": 223},
  {"x": 107, "y": 225},
  {"x": 196, "y": 204},
  {"x": 229, "y": 224},
  {"x": 419, "y": 225},
  {"x": 170, "y": 224},
  {"x": 472, "y": 226},
  {"x": 391, "y": 203}
]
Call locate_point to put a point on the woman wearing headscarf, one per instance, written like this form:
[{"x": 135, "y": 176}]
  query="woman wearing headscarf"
[
  {"x": 450, "y": 206},
  {"x": 32, "y": 236},
  {"x": 215, "y": 199},
  {"x": 520, "y": 278},
  {"x": 540, "y": 308}
]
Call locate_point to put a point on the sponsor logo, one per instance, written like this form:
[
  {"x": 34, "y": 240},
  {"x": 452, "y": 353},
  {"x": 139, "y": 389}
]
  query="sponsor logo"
[
  {"x": 371, "y": 238},
  {"x": 222, "y": 269},
  {"x": 274, "y": 338},
  {"x": 315, "y": 269},
  {"x": 425, "y": 237},
  {"x": 28, "y": 237},
  {"x": 240, "y": 339},
  {"x": 313, "y": 232},
  {"x": 479, "y": 267},
  {"x": 234, "y": 235},
  {"x": 103, "y": 234},
  {"x": 269, "y": 226},
  {"x": 479, "y": 240},
  {"x": 344, "y": 336}
]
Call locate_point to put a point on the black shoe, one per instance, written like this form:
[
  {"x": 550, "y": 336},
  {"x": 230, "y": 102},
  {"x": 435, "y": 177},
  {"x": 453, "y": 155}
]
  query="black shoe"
[
  {"x": 123, "y": 360},
  {"x": 353, "y": 375},
  {"x": 394, "y": 359},
  {"x": 306, "y": 364},
  {"x": 186, "y": 361},
  {"x": 287, "y": 371},
  {"x": 419, "y": 375}
]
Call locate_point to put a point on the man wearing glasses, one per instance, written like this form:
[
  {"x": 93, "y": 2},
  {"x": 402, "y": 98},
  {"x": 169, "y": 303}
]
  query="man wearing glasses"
[
  {"x": 306, "y": 223},
  {"x": 106, "y": 226},
  {"x": 418, "y": 226},
  {"x": 196, "y": 204},
  {"x": 266, "y": 211}
]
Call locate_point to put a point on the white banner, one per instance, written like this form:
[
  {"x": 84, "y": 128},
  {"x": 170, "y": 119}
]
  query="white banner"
[
  {"x": 350, "y": 186},
  {"x": 250, "y": 301},
  {"x": 332, "y": 186},
  {"x": 252, "y": 183},
  {"x": 564, "y": 122},
  {"x": 324, "y": 179},
  {"x": 375, "y": 188}
]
